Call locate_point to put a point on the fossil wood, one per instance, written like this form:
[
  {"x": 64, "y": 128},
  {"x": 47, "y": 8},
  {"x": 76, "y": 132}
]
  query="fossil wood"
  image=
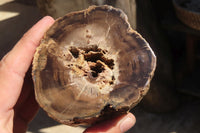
[{"x": 91, "y": 65}]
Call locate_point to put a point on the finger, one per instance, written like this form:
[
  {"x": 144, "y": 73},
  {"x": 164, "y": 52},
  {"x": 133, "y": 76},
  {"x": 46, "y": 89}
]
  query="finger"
[
  {"x": 118, "y": 125},
  {"x": 15, "y": 64},
  {"x": 20, "y": 57}
]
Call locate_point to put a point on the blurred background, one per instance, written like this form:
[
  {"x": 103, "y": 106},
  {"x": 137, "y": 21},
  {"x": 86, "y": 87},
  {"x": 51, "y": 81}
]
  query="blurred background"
[{"x": 172, "y": 28}]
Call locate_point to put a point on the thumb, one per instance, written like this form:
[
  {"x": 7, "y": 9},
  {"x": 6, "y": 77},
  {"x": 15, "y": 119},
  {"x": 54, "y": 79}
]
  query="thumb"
[{"x": 118, "y": 125}]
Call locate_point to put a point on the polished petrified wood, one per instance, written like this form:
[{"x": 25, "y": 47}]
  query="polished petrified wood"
[{"x": 90, "y": 66}]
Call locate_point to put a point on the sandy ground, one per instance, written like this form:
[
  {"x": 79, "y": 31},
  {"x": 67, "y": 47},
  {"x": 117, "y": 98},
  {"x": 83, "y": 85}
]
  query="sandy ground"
[{"x": 16, "y": 18}]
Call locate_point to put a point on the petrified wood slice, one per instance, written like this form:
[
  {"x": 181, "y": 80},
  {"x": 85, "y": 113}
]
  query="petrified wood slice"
[{"x": 91, "y": 65}]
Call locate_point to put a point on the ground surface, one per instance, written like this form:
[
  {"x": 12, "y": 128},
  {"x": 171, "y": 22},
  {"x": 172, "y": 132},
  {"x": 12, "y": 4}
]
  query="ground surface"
[{"x": 16, "y": 18}]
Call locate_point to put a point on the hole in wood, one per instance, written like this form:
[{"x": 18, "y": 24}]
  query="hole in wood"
[
  {"x": 74, "y": 51},
  {"x": 98, "y": 68}
]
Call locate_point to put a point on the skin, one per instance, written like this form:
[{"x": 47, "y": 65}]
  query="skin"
[{"x": 17, "y": 100}]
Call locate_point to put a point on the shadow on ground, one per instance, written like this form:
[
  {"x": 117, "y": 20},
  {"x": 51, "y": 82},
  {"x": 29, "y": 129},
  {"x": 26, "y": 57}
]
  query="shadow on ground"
[
  {"x": 185, "y": 119},
  {"x": 42, "y": 120}
]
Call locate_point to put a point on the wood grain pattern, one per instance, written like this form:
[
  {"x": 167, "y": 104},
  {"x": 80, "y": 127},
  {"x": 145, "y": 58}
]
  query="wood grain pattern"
[{"x": 91, "y": 65}]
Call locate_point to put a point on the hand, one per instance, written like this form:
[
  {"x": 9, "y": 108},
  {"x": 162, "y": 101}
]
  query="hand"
[
  {"x": 17, "y": 110},
  {"x": 17, "y": 100}
]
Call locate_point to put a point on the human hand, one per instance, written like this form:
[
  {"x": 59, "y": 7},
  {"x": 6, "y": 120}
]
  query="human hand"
[
  {"x": 17, "y": 100},
  {"x": 17, "y": 110}
]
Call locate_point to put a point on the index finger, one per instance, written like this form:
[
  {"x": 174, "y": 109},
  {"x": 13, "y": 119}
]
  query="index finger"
[{"x": 20, "y": 57}]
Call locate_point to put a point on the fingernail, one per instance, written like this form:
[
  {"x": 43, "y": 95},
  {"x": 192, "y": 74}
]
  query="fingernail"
[{"x": 127, "y": 123}]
